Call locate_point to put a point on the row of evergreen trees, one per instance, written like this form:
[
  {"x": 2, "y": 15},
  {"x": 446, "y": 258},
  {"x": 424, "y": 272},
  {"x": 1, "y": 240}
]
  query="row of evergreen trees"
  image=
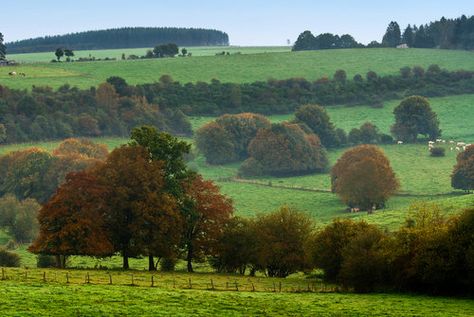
[
  {"x": 446, "y": 33},
  {"x": 130, "y": 37}
]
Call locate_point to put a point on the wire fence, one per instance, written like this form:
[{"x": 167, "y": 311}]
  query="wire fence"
[{"x": 165, "y": 281}]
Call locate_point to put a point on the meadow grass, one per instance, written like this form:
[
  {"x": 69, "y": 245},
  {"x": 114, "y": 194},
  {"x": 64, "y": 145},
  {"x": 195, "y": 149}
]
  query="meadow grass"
[
  {"x": 243, "y": 68},
  {"x": 42, "y": 299}
]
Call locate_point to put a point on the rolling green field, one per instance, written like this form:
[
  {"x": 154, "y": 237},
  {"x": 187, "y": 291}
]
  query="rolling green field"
[{"x": 247, "y": 67}]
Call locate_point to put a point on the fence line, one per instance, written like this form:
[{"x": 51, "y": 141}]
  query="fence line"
[{"x": 62, "y": 277}]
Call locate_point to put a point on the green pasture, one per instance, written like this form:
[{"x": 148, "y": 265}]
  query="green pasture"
[
  {"x": 44, "y": 299},
  {"x": 239, "y": 68}
]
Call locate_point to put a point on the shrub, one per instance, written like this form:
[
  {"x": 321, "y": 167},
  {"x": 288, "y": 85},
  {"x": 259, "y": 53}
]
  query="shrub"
[
  {"x": 463, "y": 173},
  {"x": 167, "y": 264},
  {"x": 437, "y": 151},
  {"x": 45, "y": 261},
  {"x": 9, "y": 259}
]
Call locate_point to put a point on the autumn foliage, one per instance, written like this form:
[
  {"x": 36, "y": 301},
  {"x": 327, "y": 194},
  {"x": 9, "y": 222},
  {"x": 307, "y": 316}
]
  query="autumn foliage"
[
  {"x": 227, "y": 138},
  {"x": 284, "y": 149},
  {"x": 463, "y": 173},
  {"x": 363, "y": 177}
]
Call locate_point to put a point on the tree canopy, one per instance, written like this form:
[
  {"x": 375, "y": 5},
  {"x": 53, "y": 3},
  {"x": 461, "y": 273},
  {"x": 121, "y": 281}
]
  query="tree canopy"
[
  {"x": 414, "y": 116},
  {"x": 363, "y": 178},
  {"x": 463, "y": 172}
]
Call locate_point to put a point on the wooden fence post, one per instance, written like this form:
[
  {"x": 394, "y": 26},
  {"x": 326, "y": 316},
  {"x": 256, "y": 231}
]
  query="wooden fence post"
[
  {"x": 67, "y": 277},
  {"x": 236, "y": 286},
  {"x": 190, "y": 283},
  {"x": 279, "y": 287},
  {"x": 3, "y": 274},
  {"x": 212, "y": 284},
  {"x": 110, "y": 279},
  {"x": 44, "y": 276},
  {"x": 253, "y": 287},
  {"x": 152, "y": 281}
]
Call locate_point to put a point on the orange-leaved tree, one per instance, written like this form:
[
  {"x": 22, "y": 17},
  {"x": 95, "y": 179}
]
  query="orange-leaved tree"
[
  {"x": 363, "y": 177},
  {"x": 206, "y": 211},
  {"x": 72, "y": 222}
]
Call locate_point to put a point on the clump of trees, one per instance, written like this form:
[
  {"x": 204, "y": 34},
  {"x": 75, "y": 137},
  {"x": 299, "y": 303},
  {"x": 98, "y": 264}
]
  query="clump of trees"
[
  {"x": 113, "y": 108},
  {"x": 165, "y": 50},
  {"x": 414, "y": 116},
  {"x": 140, "y": 201},
  {"x": 363, "y": 178},
  {"x": 9, "y": 259},
  {"x": 227, "y": 138},
  {"x": 430, "y": 253},
  {"x": 463, "y": 172},
  {"x": 284, "y": 149},
  {"x": 307, "y": 41},
  {"x": 35, "y": 173},
  {"x": 368, "y": 133}
]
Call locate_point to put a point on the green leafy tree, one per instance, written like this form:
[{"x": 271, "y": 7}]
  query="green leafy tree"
[
  {"x": 408, "y": 36},
  {"x": 317, "y": 119},
  {"x": 19, "y": 217},
  {"x": 414, "y": 116},
  {"x": 59, "y": 53},
  {"x": 392, "y": 36},
  {"x": 68, "y": 53}
]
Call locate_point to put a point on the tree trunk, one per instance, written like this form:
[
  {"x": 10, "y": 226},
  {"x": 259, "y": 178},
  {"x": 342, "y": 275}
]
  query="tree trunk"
[
  {"x": 189, "y": 258},
  {"x": 63, "y": 261},
  {"x": 125, "y": 262},
  {"x": 58, "y": 261},
  {"x": 151, "y": 263}
]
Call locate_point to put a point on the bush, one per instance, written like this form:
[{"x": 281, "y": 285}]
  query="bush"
[
  {"x": 437, "y": 151},
  {"x": 167, "y": 264},
  {"x": 45, "y": 261},
  {"x": 9, "y": 259}
]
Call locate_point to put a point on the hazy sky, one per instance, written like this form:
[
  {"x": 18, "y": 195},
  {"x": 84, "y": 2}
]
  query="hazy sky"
[{"x": 247, "y": 22}]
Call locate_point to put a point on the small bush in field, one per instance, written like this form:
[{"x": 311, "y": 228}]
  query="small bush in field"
[
  {"x": 437, "y": 152},
  {"x": 45, "y": 261},
  {"x": 9, "y": 259}
]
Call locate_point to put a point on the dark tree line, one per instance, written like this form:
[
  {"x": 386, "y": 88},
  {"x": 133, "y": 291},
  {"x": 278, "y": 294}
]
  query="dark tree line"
[
  {"x": 284, "y": 96},
  {"x": 131, "y": 37},
  {"x": 445, "y": 33},
  {"x": 112, "y": 109}
]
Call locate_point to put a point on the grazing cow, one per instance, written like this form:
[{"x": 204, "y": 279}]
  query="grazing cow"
[
  {"x": 451, "y": 142},
  {"x": 439, "y": 140},
  {"x": 430, "y": 142},
  {"x": 458, "y": 148},
  {"x": 451, "y": 148},
  {"x": 22, "y": 74},
  {"x": 399, "y": 142},
  {"x": 12, "y": 73},
  {"x": 461, "y": 144}
]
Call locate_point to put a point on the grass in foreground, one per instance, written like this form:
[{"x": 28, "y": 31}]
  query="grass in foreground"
[{"x": 26, "y": 299}]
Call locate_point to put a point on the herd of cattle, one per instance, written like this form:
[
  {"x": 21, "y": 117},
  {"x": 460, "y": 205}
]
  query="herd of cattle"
[{"x": 17, "y": 74}]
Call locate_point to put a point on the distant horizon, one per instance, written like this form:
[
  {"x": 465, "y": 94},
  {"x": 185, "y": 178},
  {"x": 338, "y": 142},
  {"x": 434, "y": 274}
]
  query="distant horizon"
[{"x": 247, "y": 23}]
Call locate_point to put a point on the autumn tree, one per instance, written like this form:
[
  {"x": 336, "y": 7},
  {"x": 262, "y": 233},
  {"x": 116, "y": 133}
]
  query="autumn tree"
[
  {"x": 107, "y": 97},
  {"x": 72, "y": 222},
  {"x": 142, "y": 218},
  {"x": 281, "y": 239},
  {"x": 83, "y": 147},
  {"x": 227, "y": 139},
  {"x": 206, "y": 212},
  {"x": 284, "y": 149},
  {"x": 463, "y": 172},
  {"x": 414, "y": 116},
  {"x": 18, "y": 218},
  {"x": 363, "y": 177},
  {"x": 317, "y": 119}
]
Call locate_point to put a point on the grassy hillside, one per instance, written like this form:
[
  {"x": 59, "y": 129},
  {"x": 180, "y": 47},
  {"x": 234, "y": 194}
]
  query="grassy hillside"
[{"x": 311, "y": 65}]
